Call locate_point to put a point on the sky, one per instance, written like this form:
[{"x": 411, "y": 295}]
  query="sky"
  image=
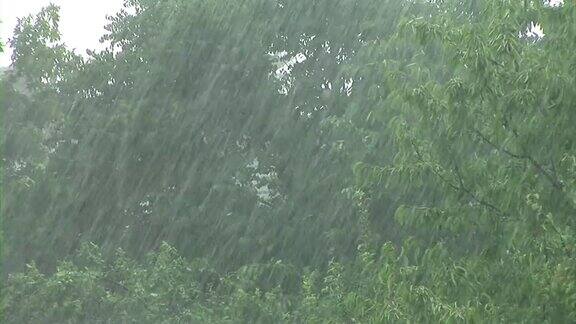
[{"x": 81, "y": 21}]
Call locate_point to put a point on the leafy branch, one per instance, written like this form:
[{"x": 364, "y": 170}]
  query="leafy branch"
[
  {"x": 556, "y": 183},
  {"x": 460, "y": 186}
]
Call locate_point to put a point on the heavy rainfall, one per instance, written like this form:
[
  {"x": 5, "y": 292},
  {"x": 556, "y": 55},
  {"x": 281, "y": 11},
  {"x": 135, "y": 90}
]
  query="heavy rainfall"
[{"x": 292, "y": 161}]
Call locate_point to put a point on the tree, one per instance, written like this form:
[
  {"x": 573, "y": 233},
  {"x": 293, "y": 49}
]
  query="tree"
[
  {"x": 183, "y": 133},
  {"x": 483, "y": 135}
]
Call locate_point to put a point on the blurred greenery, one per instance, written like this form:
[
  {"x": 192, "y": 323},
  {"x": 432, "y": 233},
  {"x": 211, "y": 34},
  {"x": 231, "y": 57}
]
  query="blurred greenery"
[{"x": 269, "y": 161}]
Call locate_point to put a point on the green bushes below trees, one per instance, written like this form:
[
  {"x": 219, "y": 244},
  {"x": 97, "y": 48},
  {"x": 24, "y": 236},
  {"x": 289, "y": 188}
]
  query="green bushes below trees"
[{"x": 388, "y": 285}]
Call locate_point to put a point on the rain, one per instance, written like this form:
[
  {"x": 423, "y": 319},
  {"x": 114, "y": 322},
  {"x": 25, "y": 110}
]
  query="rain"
[{"x": 273, "y": 161}]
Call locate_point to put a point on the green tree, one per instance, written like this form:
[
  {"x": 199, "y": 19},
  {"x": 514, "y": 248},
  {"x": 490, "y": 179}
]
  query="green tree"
[
  {"x": 185, "y": 129},
  {"x": 483, "y": 142}
]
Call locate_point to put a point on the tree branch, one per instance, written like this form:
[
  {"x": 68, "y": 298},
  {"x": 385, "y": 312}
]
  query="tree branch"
[
  {"x": 460, "y": 187},
  {"x": 549, "y": 175}
]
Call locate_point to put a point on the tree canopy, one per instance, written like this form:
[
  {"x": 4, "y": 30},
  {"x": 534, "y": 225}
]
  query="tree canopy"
[{"x": 293, "y": 161}]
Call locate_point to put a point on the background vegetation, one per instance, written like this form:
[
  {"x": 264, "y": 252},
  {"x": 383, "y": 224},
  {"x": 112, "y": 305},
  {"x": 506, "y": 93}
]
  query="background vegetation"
[{"x": 269, "y": 161}]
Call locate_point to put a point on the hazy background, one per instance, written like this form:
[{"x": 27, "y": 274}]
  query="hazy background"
[{"x": 81, "y": 22}]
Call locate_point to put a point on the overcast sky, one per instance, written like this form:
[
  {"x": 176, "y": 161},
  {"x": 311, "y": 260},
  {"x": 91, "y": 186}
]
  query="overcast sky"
[{"x": 81, "y": 21}]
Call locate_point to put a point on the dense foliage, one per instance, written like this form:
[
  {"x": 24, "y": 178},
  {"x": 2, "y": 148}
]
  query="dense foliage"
[{"x": 293, "y": 161}]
